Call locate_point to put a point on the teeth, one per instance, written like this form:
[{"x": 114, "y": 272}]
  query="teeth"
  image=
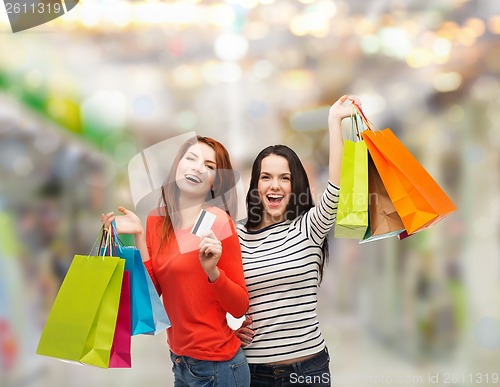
[
  {"x": 275, "y": 196},
  {"x": 193, "y": 178}
]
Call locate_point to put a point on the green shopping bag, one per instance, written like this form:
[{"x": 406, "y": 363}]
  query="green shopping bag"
[
  {"x": 352, "y": 212},
  {"x": 81, "y": 323}
]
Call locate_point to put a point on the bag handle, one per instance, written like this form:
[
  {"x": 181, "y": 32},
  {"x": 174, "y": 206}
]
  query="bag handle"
[
  {"x": 369, "y": 125},
  {"x": 107, "y": 242},
  {"x": 355, "y": 126},
  {"x": 117, "y": 243}
]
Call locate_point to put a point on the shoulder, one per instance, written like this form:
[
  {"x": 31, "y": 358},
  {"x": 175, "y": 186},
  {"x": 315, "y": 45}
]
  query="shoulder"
[
  {"x": 221, "y": 217},
  {"x": 223, "y": 225},
  {"x": 156, "y": 216}
]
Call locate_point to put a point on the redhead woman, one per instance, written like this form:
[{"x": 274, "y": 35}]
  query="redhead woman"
[
  {"x": 284, "y": 248},
  {"x": 201, "y": 279}
]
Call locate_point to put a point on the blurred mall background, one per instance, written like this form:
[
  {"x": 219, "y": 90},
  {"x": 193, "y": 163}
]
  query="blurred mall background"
[{"x": 81, "y": 95}]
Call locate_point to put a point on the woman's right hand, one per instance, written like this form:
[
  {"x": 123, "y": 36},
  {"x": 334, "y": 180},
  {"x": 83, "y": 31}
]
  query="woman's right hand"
[
  {"x": 128, "y": 223},
  {"x": 244, "y": 333}
]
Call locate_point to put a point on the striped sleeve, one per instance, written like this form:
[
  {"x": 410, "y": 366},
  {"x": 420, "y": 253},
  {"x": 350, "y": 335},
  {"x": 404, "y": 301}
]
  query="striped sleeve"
[{"x": 320, "y": 219}]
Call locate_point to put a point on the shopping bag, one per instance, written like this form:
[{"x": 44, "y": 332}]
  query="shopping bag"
[
  {"x": 140, "y": 302},
  {"x": 352, "y": 211},
  {"x": 418, "y": 199},
  {"x": 384, "y": 219},
  {"x": 120, "y": 350},
  {"x": 142, "y": 318},
  {"x": 161, "y": 320},
  {"x": 81, "y": 324}
]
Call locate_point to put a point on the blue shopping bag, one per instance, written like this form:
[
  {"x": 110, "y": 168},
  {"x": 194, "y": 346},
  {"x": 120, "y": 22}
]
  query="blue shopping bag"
[
  {"x": 161, "y": 320},
  {"x": 140, "y": 301}
]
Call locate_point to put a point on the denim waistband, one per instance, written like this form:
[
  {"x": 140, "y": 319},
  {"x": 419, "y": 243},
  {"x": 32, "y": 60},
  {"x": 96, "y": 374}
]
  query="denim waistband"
[{"x": 284, "y": 371}]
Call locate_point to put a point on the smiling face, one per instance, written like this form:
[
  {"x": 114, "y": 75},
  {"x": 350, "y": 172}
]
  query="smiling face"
[
  {"x": 196, "y": 171},
  {"x": 274, "y": 188}
]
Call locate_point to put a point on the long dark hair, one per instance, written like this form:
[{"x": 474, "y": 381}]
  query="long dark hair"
[
  {"x": 300, "y": 201},
  {"x": 222, "y": 193}
]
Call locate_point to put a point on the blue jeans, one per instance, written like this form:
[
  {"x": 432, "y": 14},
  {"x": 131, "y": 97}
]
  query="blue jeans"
[
  {"x": 313, "y": 372},
  {"x": 189, "y": 372}
]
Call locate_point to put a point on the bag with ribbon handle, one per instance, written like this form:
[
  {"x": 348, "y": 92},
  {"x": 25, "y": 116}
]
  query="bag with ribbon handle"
[
  {"x": 81, "y": 324},
  {"x": 418, "y": 199},
  {"x": 148, "y": 313},
  {"x": 352, "y": 213}
]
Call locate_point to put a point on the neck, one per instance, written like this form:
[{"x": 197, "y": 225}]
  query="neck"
[
  {"x": 189, "y": 208},
  {"x": 269, "y": 220}
]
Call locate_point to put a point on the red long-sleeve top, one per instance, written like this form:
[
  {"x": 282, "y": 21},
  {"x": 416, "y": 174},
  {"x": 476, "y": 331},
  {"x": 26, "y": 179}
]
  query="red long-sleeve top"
[{"x": 197, "y": 308}]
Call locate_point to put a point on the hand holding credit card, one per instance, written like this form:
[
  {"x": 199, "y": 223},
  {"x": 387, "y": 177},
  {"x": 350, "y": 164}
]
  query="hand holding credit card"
[{"x": 203, "y": 223}]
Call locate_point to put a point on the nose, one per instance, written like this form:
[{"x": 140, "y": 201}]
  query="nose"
[
  {"x": 200, "y": 167},
  {"x": 275, "y": 184}
]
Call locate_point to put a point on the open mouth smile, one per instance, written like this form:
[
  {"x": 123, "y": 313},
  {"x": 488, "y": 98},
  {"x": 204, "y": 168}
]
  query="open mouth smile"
[
  {"x": 193, "y": 178},
  {"x": 274, "y": 199}
]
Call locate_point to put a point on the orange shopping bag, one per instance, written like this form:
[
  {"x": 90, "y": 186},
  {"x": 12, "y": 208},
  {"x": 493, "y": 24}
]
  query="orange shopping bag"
[{"x": 418, "y": 199}]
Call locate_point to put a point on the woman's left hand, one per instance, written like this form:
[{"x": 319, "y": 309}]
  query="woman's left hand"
[
  {"x": 210, "y": 252},
  {"x": 339, "y": 111}
]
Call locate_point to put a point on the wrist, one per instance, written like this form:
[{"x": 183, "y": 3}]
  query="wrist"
[{"x": 213, "y": 275}]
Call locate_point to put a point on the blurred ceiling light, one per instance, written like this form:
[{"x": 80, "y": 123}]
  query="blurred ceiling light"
[
  {"x": 278, "y": 14},
  {"x": 222, "y": 15},
  {"x": 89, "y": 14},
  {"x": 446, "y": 82},
  {"x": 262, "y": 69},
  {"x": 494, "y": 25},
  {"x": 370, "y": 44},
  {"x": 229, "y": 72},
  {"x": 231, "y": 47},
  {"x": 266, "y": 2},
  {"x": 120, "y": 14},
  {"x": 449, "y": 30},
  {"x": 395, "y": 43},
  {"x": 419, "y": 57},
  {"x": 157, "y": 13},
  {"x": 307, "y": 1},
  {"x": 467, "y": 36},
  {"x": 186, "y": 76},
  {"x": 106, "y": 109},
  {"x": 476, "y": 25},
  {"x": 248, "y": 4},
  {"x": 256, "y": 30},
  {"x": 315, "y": 20},
  {"x": 441, "y": 48},
  {"x": 298, "y": 26},
  {"x": 297, "y": 79},
  {"x": 412, "y": 28},
  {"x": 364, "y": 27},
  {"x": 209, "y": 70}
]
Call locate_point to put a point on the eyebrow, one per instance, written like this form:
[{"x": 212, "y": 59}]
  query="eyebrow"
[
  {"x": 283, "y": 174},
  {"x": 206, "y": 161}
]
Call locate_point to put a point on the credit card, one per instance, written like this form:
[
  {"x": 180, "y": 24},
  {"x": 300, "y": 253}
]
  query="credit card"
[{"x": 203, "y": 223}]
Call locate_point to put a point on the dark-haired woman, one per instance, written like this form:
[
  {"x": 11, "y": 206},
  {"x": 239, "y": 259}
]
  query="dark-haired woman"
[
  {"x": 284, "y": 250},
  {"x": 201, "y": 279}
]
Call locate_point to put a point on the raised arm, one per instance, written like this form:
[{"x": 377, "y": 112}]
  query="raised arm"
[
  {"x": 338, "y": 111},
  {"x": 320, "y": 219}
]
